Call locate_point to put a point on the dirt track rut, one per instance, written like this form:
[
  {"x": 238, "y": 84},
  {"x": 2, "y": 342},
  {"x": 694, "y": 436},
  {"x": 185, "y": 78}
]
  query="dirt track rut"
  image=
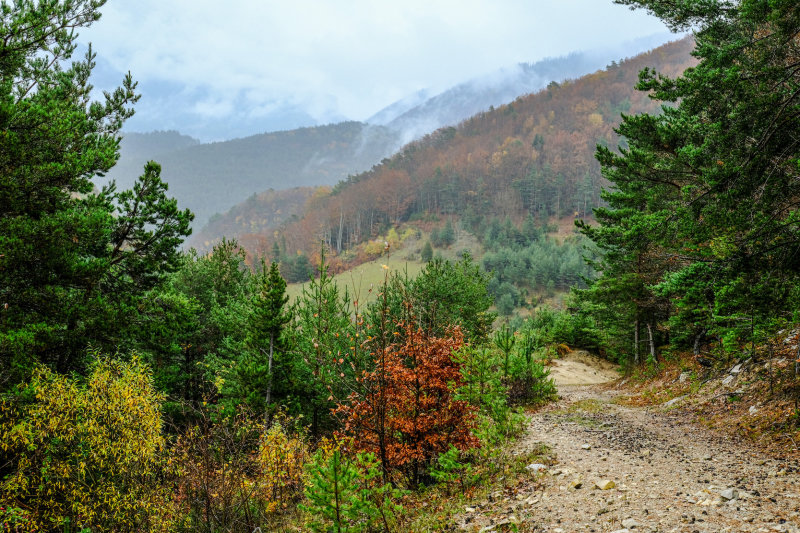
[{"x": 670, "y": 475}]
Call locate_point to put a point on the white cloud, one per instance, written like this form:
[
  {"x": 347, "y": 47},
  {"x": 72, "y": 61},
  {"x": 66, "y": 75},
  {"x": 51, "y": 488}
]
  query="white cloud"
[{"x": 339, "y": 57}]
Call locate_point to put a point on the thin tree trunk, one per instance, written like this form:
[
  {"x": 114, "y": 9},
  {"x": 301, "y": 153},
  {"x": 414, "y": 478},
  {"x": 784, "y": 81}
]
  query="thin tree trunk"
[
  {"x": 697, "y": 339},
  {"x": 797, "y": 359},
  {"x": 269, "y": 370},
  {"x": 636, "y": 341},
  {"x": 341, "y": 228},
  {"x": 652, "y": 342}
]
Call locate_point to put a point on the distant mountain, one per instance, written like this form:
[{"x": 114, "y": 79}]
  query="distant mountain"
[
  {"x": 531, "y": 157},
  {"x": 498, "y": 88},
  {"x": 138, "y": 148},
  {"x": 211, "y": 178},
  {"x": 398, "y": 108}
]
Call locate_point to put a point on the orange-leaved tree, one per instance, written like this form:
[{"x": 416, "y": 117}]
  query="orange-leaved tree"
[{"x": 405, "y": 411}]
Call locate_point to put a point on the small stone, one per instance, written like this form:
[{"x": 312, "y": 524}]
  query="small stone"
[
  {"x": 728, "y": 380},
  {"x": 536, "y": 467},
  {"x": 469, "y": 509},
  {"x": 674, "y": 401},
  {"x": 630, "y": 523},
  {"x": 621, "y": 531},
  {"x": 753, "y": 410},
  {"x": 683, "y": 377},
  {"x": 736, "y": 369},
  {"x": 576, "y": 483},
  {"x": 645, "y": 453},
  {"x": 586, "y": 447},
  {"x": 707, "y": 457},
  {"x": 729, "y": 494},
  {"x": 605, "y": 484}
]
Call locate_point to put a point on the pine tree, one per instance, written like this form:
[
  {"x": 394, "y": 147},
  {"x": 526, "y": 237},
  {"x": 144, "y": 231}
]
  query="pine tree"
[
  {"x": 74, "y": 261},
  {"x": 427, "y": 252},
  {"x": 325, "y": 352},
  {"x": 268, "y": 318},
  {"x": 703, "y": 220},
  {"x": 332, "y": 493}
]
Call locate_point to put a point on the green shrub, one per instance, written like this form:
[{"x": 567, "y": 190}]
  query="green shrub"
[{"x": 346, "y": 495}]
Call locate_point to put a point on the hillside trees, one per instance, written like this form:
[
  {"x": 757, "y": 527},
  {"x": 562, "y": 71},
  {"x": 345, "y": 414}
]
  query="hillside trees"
[
  {"x": 532, "y": 157},
  {"x": 445, "y": 294},
  {"x": 706, "y": 193},
  {"x": 73, "y": 261}
]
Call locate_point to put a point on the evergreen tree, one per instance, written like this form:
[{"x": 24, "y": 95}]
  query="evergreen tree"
[
  {"x": 443, "y": 295},
  {"x": 427, "y": 252},
  {"x": 74, "y": 261},
  {"x": 703, "y": 219},
  {"x": 325, "y": 350},
  {"x": 193, "y": 328},
  {"x": 268, "y": 318}
]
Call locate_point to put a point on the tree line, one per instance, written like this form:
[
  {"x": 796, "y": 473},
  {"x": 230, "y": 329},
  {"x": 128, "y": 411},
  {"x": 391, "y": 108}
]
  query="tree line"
[{"x": 699, "y": 241}]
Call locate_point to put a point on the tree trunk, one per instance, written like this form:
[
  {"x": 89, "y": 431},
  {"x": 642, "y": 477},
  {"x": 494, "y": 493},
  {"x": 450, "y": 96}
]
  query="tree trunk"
[
  {"x": 697, "y": 339},
  {"x": 341, "y": 228},
  {"x": 652, "y": 342},
  {"x": 636, "y": 341},
  {"x": 269, "y": 370}
]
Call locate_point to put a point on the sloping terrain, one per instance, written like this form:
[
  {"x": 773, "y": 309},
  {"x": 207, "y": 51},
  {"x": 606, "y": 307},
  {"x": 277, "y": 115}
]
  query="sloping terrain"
[
  {"x": 213, "y": 177},
  {"x": 534, "y": 156},
  {"x": 582, "y": 368},
  {"x": 625, "y": 469}
]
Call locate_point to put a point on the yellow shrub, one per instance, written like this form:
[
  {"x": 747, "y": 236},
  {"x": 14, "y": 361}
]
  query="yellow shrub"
[
  {"x": 282, "y": 457},
  {"x": 85, "y": 455}
]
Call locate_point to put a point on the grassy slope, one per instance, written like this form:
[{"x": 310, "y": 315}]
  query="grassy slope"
[{"x": 363, "y": 281}]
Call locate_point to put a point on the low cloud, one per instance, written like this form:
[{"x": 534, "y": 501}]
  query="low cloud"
[{"x": 340, "y": 59}]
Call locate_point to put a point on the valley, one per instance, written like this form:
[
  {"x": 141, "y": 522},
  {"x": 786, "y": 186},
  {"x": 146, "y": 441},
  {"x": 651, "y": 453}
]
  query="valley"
[{"x": 556, "y": 296}]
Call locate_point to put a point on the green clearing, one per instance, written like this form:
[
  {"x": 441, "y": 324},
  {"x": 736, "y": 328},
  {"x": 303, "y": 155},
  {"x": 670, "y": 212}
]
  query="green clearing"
[{"x": 363, "y": 282}]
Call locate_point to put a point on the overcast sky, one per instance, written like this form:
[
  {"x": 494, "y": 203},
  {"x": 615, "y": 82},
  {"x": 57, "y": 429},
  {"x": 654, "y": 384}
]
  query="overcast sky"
[{"x": 324, "y": 60}]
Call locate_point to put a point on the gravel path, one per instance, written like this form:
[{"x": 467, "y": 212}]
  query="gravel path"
[{"x": 668, "y": 475}]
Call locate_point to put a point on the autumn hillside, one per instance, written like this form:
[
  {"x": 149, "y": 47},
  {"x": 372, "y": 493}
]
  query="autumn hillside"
[
  {"x": 260, "y": 213},
  {"x": 533, "y": 156}
]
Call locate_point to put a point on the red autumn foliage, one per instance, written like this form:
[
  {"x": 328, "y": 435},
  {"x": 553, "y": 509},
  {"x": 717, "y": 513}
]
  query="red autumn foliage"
[{"x": 405, "y": 410}]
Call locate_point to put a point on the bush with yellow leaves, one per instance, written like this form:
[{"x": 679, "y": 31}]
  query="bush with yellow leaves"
[
  {"x": 234, "y": 476},
  {"x": 80, "y": 455},
  {"x": 282, "y": 456}
]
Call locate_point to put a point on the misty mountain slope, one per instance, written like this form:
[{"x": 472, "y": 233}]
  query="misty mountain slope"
[
  {"x": 501, "y": 87},
  {"x": 398, "y": 108},
  {"x": 136, "y": 149},
  {"x": 532, "y": 157},
  {"x": 211, "y": 178},
  {"x": 260, "y": 213}
]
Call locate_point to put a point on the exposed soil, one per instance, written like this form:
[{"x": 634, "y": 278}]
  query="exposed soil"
[
  {"x": 669, "y": 475},
  {"x": 581, "y": 368}
]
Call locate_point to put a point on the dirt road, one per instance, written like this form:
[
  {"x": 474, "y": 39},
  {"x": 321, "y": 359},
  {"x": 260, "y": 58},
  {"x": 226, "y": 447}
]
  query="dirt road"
[{"x": 620, "y": 468}]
